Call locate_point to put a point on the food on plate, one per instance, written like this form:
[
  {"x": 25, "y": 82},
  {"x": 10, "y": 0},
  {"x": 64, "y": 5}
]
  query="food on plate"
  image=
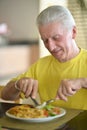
[
  {"x": 27, "y": 111},
  {"x": 50, "y": 110},
  {"x": 22, "y": 95}
]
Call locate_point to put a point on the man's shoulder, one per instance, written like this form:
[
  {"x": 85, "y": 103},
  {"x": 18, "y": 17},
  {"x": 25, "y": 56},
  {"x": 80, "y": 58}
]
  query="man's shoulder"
[{"x": 43, "y": 61}]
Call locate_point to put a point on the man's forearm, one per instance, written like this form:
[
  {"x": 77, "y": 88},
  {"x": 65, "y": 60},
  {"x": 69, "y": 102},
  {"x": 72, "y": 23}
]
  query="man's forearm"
[{"x": 9, "y": 92}]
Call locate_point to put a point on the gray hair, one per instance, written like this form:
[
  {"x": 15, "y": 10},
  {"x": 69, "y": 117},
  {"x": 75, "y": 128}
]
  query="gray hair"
[{"x": 56, "y": 13}]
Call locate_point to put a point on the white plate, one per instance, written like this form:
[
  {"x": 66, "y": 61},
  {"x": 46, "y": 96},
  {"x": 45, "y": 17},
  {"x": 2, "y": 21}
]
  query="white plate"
[{"x": 62, "y": 113}]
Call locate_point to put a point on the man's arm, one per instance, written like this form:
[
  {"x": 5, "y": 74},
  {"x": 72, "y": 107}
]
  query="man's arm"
[
  {"x": 9, "y": 92},
  {"x": 69, "y": 87},
  {"x": 13, "y": 89}
]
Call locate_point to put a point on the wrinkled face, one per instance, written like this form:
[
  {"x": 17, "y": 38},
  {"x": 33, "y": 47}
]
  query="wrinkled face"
[{"x": 57, "y": 40}]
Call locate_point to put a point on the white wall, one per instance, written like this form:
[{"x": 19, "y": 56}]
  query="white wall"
[{"x": 20, "y": 15}]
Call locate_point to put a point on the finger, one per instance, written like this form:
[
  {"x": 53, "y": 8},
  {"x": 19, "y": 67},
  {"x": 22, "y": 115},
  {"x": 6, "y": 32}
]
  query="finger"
[
  {"x": 68, "y": 92},
  {"x": 24, "y": 85},
  {"x": 61, "y": 94},
  {"x": 21, "y": 83},
  {"x": 35, "y": 89},
  {"x": 74, "y": 91},
  {"x": 71, "y": 91},
  {"x": 57, "y": 97},
  {"x": 29, "y": 89},
  {"x": 64, "y": 91}
]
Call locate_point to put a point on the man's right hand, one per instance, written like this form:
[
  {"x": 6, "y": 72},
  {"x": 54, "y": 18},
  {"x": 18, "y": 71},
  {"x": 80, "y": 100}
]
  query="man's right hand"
[{"x": 28, "y": 86}]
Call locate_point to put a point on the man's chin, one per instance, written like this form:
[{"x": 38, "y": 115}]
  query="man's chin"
[
  {"x": 57, "y": 57},
  {"x": 60, "y": 58}
]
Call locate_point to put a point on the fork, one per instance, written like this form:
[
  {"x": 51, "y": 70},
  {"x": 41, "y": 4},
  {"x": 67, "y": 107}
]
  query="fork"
[
  {"x": 49, "y": 101},
  {"x": 45, "y": 103}
]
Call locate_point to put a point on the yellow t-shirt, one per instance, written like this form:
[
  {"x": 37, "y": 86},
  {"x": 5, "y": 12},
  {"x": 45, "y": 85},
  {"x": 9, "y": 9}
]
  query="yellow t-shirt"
[{"x": 49, "y": 72}]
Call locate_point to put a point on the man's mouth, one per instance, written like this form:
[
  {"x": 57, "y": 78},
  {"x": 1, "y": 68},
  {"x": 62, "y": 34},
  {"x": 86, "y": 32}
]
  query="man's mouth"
[{"x": 57, "y": 51}]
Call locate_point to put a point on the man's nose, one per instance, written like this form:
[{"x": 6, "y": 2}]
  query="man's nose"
[{"x": 51, "y": 45}]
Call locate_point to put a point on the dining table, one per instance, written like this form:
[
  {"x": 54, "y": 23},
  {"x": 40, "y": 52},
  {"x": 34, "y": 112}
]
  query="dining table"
[{"x": 15, "y": 124}]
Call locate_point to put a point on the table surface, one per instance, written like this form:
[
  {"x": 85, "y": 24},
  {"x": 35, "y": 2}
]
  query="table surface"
[{"x": 23, "y": 125}]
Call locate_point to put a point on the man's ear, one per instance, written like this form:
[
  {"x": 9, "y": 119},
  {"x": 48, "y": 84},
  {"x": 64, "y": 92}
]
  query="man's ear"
[{"x": 74, "y": 32}]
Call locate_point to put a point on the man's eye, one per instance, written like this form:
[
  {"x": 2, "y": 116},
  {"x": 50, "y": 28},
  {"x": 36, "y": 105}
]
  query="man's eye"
[{"x": 56, "y": 38}]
